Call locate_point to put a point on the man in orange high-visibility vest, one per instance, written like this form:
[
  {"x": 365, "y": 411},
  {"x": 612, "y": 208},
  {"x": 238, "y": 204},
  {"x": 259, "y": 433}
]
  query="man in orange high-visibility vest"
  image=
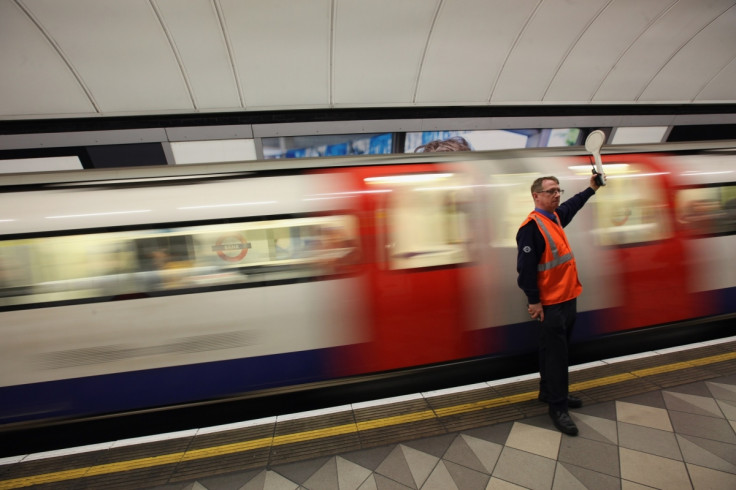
[{"x": 548, "y": 276}]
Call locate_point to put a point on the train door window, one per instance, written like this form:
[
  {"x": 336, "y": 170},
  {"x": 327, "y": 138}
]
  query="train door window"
[
  {"x": 633, "y": 208},
  {"x": 510, "y": 202},
  {"x": 707, "y": 210},
  {"x": 425, "y": 218}
]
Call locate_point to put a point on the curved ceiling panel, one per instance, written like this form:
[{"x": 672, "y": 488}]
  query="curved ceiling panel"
[
  {"x": 112, "y": 57},
  {"x": 600, "y": 47},
  {"x": 657, "y": 46},
  {"x": 378, "y": 49},
  {"x": 197, "y": 36},
  {"x": 35, "y": 79},
  {"x": 466, "y": 53},
  {"x": 280, "y": 50},
  {"x": 698, "y": 62}
]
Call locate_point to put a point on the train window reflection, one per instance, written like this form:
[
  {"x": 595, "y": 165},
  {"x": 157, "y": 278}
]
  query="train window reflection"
[
  {"x": 707, "y": 210},
  {"x": 139, "y": 263},
  {"x": 426, "y": 220},
  {"x": 633, "y": 208}
]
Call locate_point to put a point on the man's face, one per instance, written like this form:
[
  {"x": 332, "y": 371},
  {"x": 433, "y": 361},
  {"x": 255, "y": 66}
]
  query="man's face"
[{"x": 549, "y": 198}]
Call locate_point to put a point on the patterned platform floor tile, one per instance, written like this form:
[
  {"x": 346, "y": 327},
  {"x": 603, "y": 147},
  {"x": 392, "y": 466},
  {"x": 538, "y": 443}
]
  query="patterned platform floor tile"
[{"x": 674, "y": 438}]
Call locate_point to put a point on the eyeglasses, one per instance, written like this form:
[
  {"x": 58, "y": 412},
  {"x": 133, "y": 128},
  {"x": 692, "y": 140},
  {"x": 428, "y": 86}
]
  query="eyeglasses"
[{"x": 552, "y": 192}]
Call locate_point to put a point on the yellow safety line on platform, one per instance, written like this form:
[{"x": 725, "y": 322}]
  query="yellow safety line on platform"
[{"x": 196, "y": 454}]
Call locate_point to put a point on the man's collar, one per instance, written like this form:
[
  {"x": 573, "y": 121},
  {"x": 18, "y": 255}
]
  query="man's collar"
[{"x": 547, "y": 214}]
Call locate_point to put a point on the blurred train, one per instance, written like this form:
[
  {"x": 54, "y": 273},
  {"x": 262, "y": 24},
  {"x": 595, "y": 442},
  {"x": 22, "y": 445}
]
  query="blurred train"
[{"x": 125, "y": 290}]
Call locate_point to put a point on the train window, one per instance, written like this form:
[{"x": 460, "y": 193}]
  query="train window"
[
  {"x": 633, "y": 208},
  {"x": 510, "y": 202},
  {"x": 426, "y": 219},
  {"x": 135, "y": 263},
  {"x": 707, "y": 210}
]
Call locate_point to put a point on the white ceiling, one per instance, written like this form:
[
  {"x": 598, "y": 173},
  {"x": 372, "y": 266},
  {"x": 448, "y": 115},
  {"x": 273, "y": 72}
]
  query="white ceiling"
[{"x": 79, "y": 58}]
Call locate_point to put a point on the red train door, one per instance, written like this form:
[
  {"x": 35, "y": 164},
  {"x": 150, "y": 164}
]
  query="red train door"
[
  {"x": 415, "y": 225},
  {"x": 635, "y": 224}
]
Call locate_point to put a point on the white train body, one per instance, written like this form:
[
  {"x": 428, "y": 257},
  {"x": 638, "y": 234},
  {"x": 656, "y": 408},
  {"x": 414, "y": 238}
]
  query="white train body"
[{"x": 122, "y": 291}]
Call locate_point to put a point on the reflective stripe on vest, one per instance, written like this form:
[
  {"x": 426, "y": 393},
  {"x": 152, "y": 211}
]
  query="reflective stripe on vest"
[{"x": 557, "y": 259}]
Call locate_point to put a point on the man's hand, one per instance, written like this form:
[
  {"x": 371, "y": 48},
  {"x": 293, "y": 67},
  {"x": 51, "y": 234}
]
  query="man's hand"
[
  {"x": 593, "y": 184},
  {"x": 536, "y": 312}
]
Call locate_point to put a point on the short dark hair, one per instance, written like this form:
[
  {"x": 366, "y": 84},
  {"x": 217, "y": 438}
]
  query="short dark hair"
[
  {"x": 456, "y": 143},
  {"x": 537, "y": 185}
]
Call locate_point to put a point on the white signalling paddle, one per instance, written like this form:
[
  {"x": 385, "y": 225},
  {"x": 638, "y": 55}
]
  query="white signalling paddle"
[{"x": 593, "y": 144}]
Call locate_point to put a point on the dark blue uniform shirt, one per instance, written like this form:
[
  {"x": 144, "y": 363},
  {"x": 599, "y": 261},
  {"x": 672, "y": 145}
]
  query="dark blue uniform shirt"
[{"x": 531, "y": 244}]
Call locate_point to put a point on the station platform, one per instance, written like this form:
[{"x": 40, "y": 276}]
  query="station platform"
[{"x": 663, "y": 419}]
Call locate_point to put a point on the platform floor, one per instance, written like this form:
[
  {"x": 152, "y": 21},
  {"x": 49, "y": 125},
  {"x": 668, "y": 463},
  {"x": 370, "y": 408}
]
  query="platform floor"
[{"x": 664, "y": 419}]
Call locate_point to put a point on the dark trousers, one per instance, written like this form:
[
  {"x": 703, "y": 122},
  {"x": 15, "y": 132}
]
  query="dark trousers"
[{"x": 554, "y": 336}]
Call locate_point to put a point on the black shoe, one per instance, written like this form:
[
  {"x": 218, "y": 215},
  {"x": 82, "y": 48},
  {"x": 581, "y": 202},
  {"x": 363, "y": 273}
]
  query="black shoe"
[
  {"x": 572, "y": 401},
  {"x": 563, "y": 422}
]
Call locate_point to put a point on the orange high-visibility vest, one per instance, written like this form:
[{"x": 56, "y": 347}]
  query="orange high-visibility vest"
[{"x": 557, "y": 273}]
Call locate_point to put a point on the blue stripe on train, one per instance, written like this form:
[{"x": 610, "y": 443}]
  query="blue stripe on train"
[
  {"x": 727, "y": 301},
  {"x": 523, "y": 338},
  {"x": 180, "y": 384},
  {"x": 159, "y": 387}
]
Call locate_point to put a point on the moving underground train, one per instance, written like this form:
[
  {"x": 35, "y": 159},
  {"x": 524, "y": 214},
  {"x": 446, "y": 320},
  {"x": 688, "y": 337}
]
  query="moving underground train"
[{"x": 127, "y": 290}]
